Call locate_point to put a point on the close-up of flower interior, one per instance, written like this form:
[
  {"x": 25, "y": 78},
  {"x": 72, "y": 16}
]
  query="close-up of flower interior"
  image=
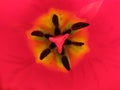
[
  {"x": 60, "y": 45},
  {"x": 58, "y": 41}
]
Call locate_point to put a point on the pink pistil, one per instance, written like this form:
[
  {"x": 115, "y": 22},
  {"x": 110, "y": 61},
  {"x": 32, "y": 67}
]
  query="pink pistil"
[{"x": 59, "y": 41}]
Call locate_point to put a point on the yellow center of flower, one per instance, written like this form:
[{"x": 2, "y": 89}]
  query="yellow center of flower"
[{"x": 58, "y": 40}]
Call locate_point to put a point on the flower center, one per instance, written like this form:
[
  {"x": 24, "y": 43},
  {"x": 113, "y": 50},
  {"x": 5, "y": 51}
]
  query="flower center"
[
  {"x": 62, "y": 35},
  {"x": 59, "y": 41}
]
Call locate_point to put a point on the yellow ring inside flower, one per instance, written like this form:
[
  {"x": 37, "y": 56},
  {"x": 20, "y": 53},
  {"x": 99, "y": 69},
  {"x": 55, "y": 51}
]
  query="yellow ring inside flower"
[{"x": 38, "y": 44}]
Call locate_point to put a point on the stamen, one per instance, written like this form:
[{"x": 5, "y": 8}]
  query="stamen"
[
  {"x": 57, "y": 31},
  {"x": 52, "y": 45},
  {"x": 37, "y": 33},
  {"x": 68, "y": 42},
  {"x": 44, "y": 53},
  {"x": 48, "y": 35},
  {"x": 65, "y": 63},
  {"x": 55, "y": 20},
  {"x": 67, "y": 31},
  {"x": 63, "y": 51},
  {"x": 78, "y": 43},
  {"x": 79, "y": 25}
]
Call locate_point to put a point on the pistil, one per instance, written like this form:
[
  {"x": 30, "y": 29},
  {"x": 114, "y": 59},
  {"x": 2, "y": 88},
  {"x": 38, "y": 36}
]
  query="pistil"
[{"x": 59, "y": 41}]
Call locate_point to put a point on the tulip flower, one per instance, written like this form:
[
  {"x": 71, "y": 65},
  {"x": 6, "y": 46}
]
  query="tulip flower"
[{"x": 59, "y": 45}]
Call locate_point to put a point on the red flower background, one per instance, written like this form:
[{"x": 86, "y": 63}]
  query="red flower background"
[{"x": 98, "y": 70}]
